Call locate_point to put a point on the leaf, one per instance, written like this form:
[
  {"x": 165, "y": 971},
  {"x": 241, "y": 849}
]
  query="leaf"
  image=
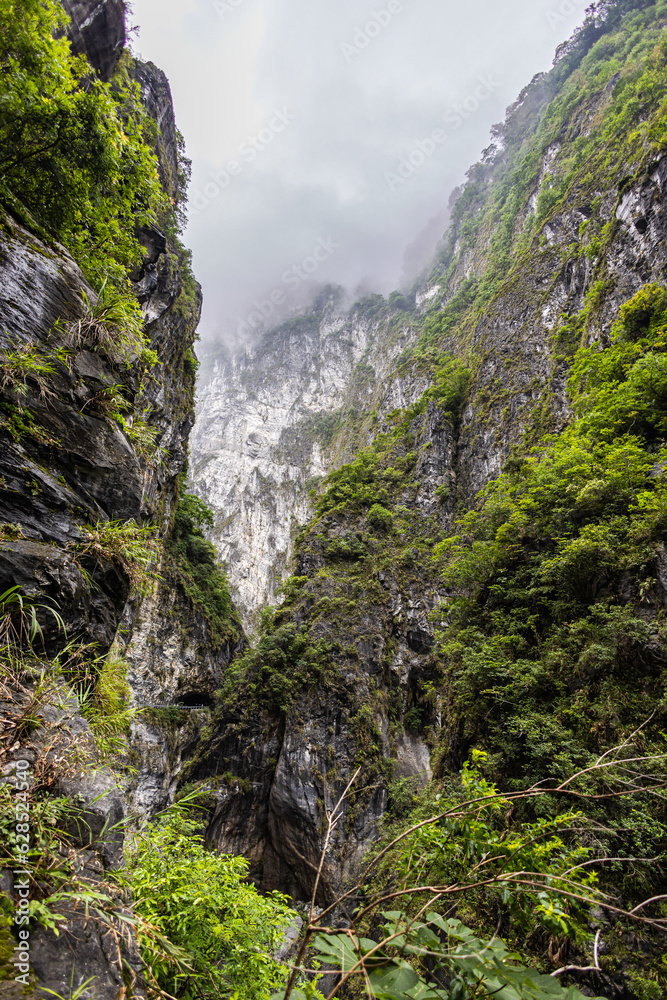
[{"x": 391, "y": 983}]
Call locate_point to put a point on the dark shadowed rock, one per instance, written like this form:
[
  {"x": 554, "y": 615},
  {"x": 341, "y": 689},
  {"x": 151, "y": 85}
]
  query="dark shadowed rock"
[{"x": 97, "y": 31}]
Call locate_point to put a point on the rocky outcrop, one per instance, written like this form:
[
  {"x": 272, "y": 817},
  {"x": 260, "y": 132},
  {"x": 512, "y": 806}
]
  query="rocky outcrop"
[
  {"x": 519, "y": 370},
  {"x": 97, "y": 30},
  {"x": 156, "y": 98},
  {"x": 64, "y": 461},
  {"x": 173, "y": 660}
]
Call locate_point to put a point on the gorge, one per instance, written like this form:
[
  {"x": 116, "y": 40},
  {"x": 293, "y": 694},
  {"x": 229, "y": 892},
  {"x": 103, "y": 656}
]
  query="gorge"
[{"x": 412, "y": 548}]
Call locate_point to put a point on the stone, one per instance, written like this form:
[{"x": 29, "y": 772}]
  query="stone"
[{"x": 97, "y": 31}]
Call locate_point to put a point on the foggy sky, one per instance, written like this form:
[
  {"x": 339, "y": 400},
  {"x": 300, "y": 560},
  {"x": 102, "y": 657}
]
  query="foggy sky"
[{"x": 327, "y": 135}]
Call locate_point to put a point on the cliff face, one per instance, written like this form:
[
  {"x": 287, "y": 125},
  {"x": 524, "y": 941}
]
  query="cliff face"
[
  {"x": 97, "y": 30},
  {"x": 268, "y": 422},
  {"x": 93, "y": 439},
  {"x": 528, "y": 276}
]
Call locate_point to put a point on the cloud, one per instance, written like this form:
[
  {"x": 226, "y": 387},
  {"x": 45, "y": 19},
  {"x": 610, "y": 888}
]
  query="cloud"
[{"x": 341, "y": 120}]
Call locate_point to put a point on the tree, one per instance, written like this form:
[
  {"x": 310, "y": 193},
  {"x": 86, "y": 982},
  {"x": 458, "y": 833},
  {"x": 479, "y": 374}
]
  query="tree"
[{"x": 74, "y": 152}]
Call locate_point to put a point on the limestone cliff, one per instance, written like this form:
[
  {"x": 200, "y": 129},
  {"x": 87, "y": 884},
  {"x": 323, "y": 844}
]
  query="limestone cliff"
[
  {"x": 559, "y": 226},
  {"x": 268, "y": 422}
]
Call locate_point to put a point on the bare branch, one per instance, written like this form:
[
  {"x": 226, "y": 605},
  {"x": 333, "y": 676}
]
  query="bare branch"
[
  {"x": 584, "y": 968},
  {"x": 653, "y": 899}
]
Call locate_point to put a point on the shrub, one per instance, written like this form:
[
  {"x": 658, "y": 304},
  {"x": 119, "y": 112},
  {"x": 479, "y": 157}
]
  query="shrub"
[
  {"x": 112, "y": 325},
  {"x": 195, "y": 560},
  {"x": 379, "y": 517},
  {"x": 106, "y": 707},
  {"x": 207, "y": 932},
  {"x": 75, "y": 152}
]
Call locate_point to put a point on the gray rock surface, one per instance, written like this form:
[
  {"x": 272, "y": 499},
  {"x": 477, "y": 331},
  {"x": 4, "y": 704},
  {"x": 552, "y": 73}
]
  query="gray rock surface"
[
  {"x": 97, "y": 30},
  {"x": 65, "y": 462},
  {"x": 260, "y": 441}
]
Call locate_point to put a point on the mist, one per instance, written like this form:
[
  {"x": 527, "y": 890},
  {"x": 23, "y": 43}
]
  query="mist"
[{"x": 327, "y": 135}]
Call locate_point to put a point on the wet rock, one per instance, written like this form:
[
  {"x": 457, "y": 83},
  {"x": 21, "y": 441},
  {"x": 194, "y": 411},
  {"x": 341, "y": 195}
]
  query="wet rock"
[{"x": 97, "y": 30}]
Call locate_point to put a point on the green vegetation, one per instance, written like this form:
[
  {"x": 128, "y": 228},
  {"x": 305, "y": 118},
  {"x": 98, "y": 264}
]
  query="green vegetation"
[
  {"x": 106, "y": 708},
  {"x": 554, "y": 642},
  {"x": 207, "y": 932},
  {"x": 195, "y": 561},
  {"x": 466, "y": 850},
  {"x": 277, "y": 669},
  {"x": 554, "y": 645},
  {"x": 131, "y": 548},
  {"x": 549, "y": 657},
  {"x": 20, "y": 627},
  {"x": 22, "y": 365},
  {"x": 379, "y": 474},
  {"x": 112, "y": 325},
  {"x": 76, "y": 153},
  {"x": 438, "y": 947}
]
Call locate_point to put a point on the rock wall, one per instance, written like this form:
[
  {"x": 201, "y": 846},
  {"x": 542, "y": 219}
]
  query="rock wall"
[
  {"x": 265, "y": 433},
  {"x": 97, "y": 31},
  {"x": 66, "y": 464}
]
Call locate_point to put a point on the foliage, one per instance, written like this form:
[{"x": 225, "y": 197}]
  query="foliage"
[
  {"x": 456, "y": 851},
  {"x": 195, "y": 560},
  {"x": 542, "y": 638},
  {"x": 275, "y": 671},
  {"x": 440, "y": 947},
  {"x": 19, "y": 622},
  {"x": 191, "y": 365},
  {"x": 75, "y": 152},
  {"x": 24, "y": 364},
  {"x": 379, "y": 517},
  {"x": 112, "y": 325},
  {"x": 225, "y": 931},
  {"x": 106, "y": 707},
  {"x": 126, "y": 545},
  {"x": 488, "y": 845},
  {"x": 608, "y": 82},
  {"x": 377, "y": 475},
  {"x": 52, "y": 863}
]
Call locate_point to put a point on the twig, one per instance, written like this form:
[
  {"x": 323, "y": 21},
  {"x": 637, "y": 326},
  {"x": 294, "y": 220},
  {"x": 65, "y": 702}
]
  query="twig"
[
  {"x": 584, "y": 968},
  {"x": 654, "y": 899},
  {"x": 332, "y": 820}
]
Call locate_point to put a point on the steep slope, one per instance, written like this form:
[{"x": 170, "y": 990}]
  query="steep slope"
[
  {"x": 406, "y": 625},
  {"x": 96, "y": 407},
  {"x": 268, "y": 427}
]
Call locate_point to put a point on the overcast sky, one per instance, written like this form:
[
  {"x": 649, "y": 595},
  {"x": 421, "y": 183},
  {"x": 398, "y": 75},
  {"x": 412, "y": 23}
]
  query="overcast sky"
[{"x": 327, "y": 135}]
